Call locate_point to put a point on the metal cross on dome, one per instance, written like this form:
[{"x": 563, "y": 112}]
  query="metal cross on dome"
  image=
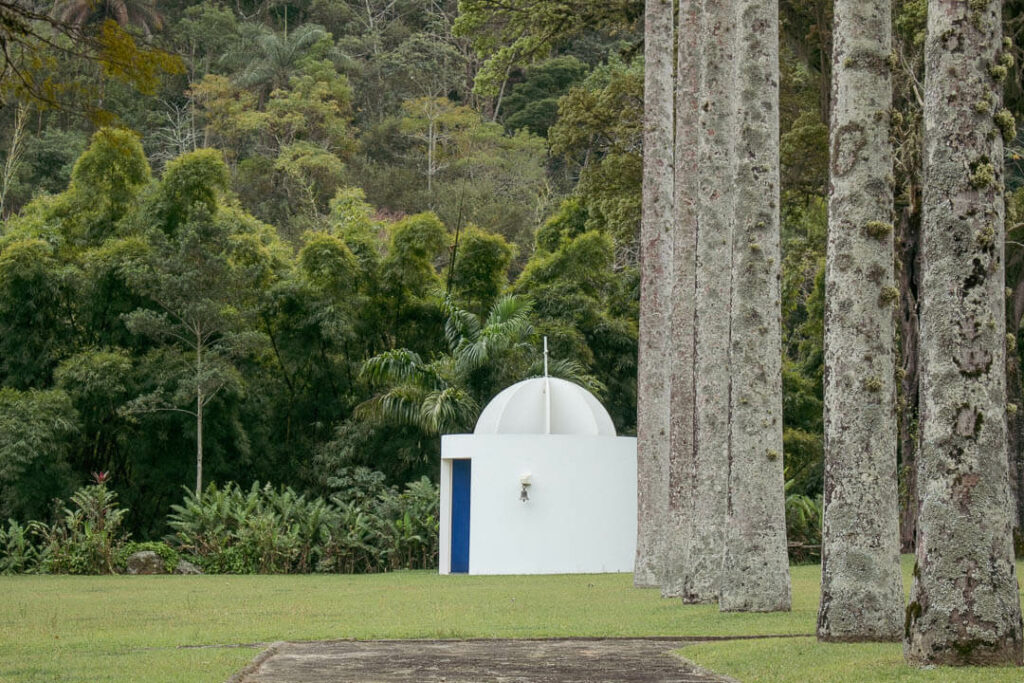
[{"x": 545, "y": 355}]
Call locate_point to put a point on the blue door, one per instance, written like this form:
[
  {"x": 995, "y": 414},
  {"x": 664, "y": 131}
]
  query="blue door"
[{"x": 460, "y": 515}]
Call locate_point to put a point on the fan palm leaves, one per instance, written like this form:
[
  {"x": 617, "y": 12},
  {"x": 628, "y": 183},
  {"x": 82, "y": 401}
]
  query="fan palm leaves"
[{"x": 141, "y": 14}]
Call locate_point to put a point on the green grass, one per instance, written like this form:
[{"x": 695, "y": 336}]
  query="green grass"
[
  {"x": 122, "y": 628},
  {"x": 801, "y": 660}
]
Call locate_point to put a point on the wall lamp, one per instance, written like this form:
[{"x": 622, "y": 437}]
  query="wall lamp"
[{"x": 524, "y": 481}]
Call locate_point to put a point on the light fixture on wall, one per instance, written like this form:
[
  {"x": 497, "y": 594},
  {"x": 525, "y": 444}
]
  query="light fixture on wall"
[{"x": 524, "y": 481}]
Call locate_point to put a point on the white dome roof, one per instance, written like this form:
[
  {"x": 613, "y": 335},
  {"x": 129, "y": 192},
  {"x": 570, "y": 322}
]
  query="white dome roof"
[{"x": 523, "y": 408}]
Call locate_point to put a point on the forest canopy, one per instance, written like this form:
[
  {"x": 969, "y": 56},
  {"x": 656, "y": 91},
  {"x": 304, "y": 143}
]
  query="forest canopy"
[{"x": 330, "y": 231}]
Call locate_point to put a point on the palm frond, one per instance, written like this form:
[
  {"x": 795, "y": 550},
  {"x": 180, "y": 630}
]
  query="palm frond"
[
  {"x": 459, "y": 326},
  {"x": 447, "y": 411},
  {"x": 470, "y": 356},
  {"x": 399, "y": 406},
  {"x": 398, "y": 366},
  {"x": 508, "y": 307}
]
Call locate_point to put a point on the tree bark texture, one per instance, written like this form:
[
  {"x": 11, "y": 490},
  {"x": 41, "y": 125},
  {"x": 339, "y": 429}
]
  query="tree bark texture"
[
  {"x": 1015, "y": 396},
  {"x": 1014, "y": 425},
  {"x": 861, "y": 586},
  {"x": 684, "y": 241},
  {"x": 716, "y": 130},
  {"x": 654, "y": 353},
  {"x": 964, "y": 605},
  {"x": 755, "y": 574}
]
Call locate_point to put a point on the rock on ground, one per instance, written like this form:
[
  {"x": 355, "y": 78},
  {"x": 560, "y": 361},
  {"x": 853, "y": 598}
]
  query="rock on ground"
[
  {"x": 186, "y": 567},
  {"x": 145, "y": 562}
]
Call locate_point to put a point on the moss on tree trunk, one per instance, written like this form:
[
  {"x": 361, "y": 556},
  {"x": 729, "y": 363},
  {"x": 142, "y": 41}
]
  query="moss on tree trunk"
[
  {"x": 861, "y": 590},
  {"x": 964, "y": 605}
]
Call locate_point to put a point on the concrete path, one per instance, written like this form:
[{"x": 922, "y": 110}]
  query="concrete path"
[{"x": 624, "y": 660}]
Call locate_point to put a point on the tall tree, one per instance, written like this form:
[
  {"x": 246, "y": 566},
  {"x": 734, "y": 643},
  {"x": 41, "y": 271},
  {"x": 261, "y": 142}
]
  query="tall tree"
[
  {"x": 195, "y": 288},
  {"x": 755, "y": 574},
  {"x": 964, "y": 606},
  {"x": 653, "y": 356},
  {"x": 861, "y": 590},
  {"x": 684, "y": 242},
  {"x": 716, "y": 131}
]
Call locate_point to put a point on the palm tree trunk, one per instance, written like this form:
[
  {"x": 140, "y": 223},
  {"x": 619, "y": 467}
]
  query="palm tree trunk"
[
  {"x": 861, "y": 589},
  {"x": 965, "y": 606},
  {"x": 653, "y": 385},
  {"x": 755, "y": 574}
]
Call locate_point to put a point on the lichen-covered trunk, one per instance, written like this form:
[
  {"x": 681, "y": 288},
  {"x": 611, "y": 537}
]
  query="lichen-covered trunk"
[
  {"x": 755, "y": 574},
  {"x": 684, "y": 243},
  {"x": 716, "y": 131},
  {"x": 653, "y": 380},
  {"x": 861, "y": 588},
  {"x": 964, "y": 605},
  {"x": 1015, "y": 398},
  {"x": 1014, "y": 416},
  {"x": 1014, "y": 424}
]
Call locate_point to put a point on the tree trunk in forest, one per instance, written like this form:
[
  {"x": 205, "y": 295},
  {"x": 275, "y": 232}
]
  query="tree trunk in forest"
[
  {"x": 684, "y": 241},
  {"x": 825, "y": 38},
  {"x": 1014, "y": 425},
  {"x": 1014, "y": 394},
  {"x": 1015, "y": 397},
  {"x": 199, "y": 415},
  {"x": 861, "y": 586},
  {"x": 755, "y": 573},
  {"x": 654, "y": 352},
  {"x": 965, "y": 606},
  {"x": 908, "y": 275},
  {"x": 715, "y": 153}
]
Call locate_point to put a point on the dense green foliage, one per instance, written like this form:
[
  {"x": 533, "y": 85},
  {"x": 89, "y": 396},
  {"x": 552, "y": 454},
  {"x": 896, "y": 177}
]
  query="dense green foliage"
[
  {"x": 366, "y": 526},
  {"x": 329, "y": 231}
]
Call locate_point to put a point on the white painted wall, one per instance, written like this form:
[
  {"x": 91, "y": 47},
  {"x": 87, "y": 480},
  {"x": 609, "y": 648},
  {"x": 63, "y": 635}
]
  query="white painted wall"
[{"x": 581, "y": 516}]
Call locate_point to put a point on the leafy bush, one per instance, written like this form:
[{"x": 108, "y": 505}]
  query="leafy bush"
[
  {"x": 803, "y": 527},
  {"x": 18, "y": 554},
  {"x": 415, "y": 527},
  {"x": 263, "y": 531},
  {"x": 170, "y": 555},
  {"x": 381, "y": 529},
  {"x": 87, "y": 539},
  {"x": 366, "y": 527}
]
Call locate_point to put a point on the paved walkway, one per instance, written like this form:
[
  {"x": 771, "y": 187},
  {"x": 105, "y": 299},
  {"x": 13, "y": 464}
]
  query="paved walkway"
[{"x": 624, "y": 660}]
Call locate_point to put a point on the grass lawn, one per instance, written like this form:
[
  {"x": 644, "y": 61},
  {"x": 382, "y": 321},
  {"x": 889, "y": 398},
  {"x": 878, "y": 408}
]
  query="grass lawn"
[{"x": 147, "y": 627}]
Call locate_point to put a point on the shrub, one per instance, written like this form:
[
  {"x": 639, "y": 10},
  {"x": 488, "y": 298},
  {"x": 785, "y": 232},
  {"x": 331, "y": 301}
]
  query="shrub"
[
  {"x": 263, "y": 531},
  {"x": 380, "y": 528},
  {"x": 85, "y": 540},
  {"x": 366, "y": 527},
  {"x": 803, "y": 527},
  {"x": 18, "y": 554},
  {"x": 415, "y": 527}
]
